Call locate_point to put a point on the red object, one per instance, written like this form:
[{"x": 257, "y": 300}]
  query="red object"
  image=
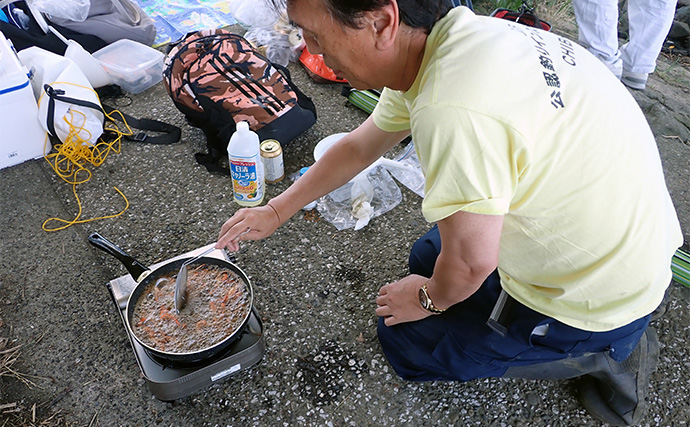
[
  {"x": 525, "y": 17},
  {"x": 317, "y": 69}
]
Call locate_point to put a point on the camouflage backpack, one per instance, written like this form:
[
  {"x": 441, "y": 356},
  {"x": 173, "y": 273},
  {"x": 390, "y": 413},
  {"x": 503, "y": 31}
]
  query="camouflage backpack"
[{"x": 217, "y": 79}]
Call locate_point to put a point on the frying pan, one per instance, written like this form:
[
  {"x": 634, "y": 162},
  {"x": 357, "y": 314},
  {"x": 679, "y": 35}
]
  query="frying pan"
[{"x": 144, "y": 276}]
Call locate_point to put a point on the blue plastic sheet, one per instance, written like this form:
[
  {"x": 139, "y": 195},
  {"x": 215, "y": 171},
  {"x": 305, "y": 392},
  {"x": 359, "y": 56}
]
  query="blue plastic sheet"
[{"x": 175, "y": 18}]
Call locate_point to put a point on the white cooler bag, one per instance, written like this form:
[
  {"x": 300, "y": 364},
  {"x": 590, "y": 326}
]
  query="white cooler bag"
[{"x": 21, "y": 135}]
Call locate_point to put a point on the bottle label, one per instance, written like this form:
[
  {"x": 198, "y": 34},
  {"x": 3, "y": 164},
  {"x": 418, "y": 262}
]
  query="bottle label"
[{"x": 245, "y": 180}]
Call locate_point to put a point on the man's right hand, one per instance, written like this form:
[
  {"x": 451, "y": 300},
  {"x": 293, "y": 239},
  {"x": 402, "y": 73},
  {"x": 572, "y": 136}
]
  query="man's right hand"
[{"x": 248, "y": 224}]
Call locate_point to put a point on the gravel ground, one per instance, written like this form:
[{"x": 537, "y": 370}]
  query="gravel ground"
[{"x": 314, "y": 288}]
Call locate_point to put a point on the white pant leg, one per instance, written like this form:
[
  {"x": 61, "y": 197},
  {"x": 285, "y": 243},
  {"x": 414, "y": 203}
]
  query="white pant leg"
[
  {"x": 597, "y": 22},
  {"x": 650, "y": 22}
]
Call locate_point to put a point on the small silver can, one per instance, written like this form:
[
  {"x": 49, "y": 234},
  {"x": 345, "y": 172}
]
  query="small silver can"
[{"x": 272, "y": 158}]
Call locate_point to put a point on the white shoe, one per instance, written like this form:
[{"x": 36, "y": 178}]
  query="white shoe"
[
  {"x": 616, "y": 67},
  {"x": 632, "y": 80}
]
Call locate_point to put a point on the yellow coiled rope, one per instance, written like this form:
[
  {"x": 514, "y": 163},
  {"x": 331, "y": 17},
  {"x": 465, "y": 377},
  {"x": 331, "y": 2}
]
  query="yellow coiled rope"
[{"x": 70, "y": 158}]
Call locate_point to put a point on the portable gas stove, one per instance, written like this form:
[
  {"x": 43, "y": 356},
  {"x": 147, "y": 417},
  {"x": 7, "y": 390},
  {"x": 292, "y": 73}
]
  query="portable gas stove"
[{"x": 170, "y": 382}]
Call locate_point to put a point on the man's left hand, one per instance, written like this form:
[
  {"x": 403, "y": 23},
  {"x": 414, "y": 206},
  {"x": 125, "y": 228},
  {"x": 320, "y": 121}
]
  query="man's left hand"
[{"x": 398, "y": 302}]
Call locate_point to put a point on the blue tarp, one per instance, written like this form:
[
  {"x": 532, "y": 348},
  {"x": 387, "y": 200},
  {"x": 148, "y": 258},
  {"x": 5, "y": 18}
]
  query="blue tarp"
[{"x": 175, "y": 18}]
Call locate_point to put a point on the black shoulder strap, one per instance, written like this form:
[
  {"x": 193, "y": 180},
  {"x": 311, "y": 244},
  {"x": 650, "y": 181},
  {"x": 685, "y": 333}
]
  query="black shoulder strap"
[
  {"x": 58, "y": 95},
  {"x": 170, "y": 133}
]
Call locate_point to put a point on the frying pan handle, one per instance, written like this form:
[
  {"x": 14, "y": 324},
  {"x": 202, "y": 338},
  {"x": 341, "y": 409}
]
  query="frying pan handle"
[{"x": 134, "y": 267}]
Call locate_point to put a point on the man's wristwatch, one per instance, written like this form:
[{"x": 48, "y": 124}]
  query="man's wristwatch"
[{"x": 426, "y": 302}]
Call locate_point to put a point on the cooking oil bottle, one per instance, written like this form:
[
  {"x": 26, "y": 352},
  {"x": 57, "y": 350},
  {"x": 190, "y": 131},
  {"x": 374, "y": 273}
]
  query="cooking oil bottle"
[{"x": 246, "y": 168}]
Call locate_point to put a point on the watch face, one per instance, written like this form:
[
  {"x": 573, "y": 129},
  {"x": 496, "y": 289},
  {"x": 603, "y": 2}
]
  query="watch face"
[{"x": 423, "y": 300}]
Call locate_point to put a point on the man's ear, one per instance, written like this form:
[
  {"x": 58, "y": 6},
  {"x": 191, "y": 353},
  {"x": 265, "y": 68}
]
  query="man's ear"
[{"x": 385, "y": 24}]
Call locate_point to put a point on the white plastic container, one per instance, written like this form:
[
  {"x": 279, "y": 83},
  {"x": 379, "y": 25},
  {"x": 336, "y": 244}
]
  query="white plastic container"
[
  {"x": 246, "y": 167},
  {"x": 311, "y": 205},
  {"x": 131, "y": 65},
  {"x": 21, "y": 136}
]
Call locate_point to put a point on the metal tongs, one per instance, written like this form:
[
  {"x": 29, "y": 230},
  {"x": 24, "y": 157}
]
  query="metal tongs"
[{"x": 181, "y": 281}]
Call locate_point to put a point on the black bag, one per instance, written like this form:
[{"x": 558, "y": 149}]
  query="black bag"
[
  {"x": 34, "y": 35},
  {"x": 216, "y": 78}
]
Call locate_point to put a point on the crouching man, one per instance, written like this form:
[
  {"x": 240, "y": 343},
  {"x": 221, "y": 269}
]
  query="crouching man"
[{"x": 554, "y": 227}]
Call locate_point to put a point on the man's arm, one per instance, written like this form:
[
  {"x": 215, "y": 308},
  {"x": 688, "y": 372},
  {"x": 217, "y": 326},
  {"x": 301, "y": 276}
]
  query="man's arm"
[
  {"x": 345, "y": 159},
  {"x": 340, "y": 163},
  {"x": 469, "y": 253}
]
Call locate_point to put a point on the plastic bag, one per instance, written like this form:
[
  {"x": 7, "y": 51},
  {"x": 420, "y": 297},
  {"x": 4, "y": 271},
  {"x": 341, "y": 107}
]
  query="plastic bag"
[
  {"x": 74, "y": 10},
  {"x": 252, "y": 13},
  {"x": 275, "y": 46},
  {"x": 361, "y": 195},
  {"x": 411, "y": 176},
  {"x": 366, "y": 196},
  {"x": 113, "y": 20},
  {"x": 269, "y": 31},
  {"x": 373, "y": 191}
]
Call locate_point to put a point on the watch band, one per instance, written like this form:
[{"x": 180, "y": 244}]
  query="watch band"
[{"x": 430, "y": 304}]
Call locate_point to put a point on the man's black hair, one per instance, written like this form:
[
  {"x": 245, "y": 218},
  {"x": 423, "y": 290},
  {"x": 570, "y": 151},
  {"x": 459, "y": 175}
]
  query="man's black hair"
[{"x": 413, "y": 13}]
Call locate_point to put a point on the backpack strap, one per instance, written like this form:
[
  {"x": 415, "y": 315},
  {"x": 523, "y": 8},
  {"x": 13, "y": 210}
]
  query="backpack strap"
[
  {"x": 303, "y": 100},
  {"x": 170, "y": 133}
]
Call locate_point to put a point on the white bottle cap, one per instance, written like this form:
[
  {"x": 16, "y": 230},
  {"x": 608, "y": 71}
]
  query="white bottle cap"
[{"x": 242, "y": 127}]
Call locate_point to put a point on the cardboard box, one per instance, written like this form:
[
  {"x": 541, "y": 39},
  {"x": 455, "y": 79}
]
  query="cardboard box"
[{"x": 21, "y": 136}]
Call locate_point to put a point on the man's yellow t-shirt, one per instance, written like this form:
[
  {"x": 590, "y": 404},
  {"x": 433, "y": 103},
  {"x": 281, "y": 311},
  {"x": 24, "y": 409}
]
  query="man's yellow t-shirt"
[{"x": 511, "y": 120}]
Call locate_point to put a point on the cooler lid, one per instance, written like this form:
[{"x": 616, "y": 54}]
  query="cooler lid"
[{"x": 13, "y": 75}]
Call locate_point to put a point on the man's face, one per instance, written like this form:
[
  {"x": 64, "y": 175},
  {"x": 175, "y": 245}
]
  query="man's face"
[{"x": 347, "y": 51}]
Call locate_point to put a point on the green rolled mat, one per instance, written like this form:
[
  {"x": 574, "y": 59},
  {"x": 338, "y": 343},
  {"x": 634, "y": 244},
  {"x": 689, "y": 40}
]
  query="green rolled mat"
[
  {"x": 680, "y": 266},
  {"x": 363, "y": 99}
]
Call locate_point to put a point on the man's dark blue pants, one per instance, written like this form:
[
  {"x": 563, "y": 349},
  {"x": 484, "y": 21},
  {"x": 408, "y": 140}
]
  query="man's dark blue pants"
[{"x": 459, "y": 346}]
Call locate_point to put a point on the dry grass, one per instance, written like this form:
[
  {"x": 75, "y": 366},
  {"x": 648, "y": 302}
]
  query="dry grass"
[
  {"x": 674, "y": 69},
  {"x": 560, "y": 15},
  {"x": 675, "y": 58},
  {"x": 8, "y": 357},
  {"x": 22, "y": 418},
  {"x": 13, "y": 413}
]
